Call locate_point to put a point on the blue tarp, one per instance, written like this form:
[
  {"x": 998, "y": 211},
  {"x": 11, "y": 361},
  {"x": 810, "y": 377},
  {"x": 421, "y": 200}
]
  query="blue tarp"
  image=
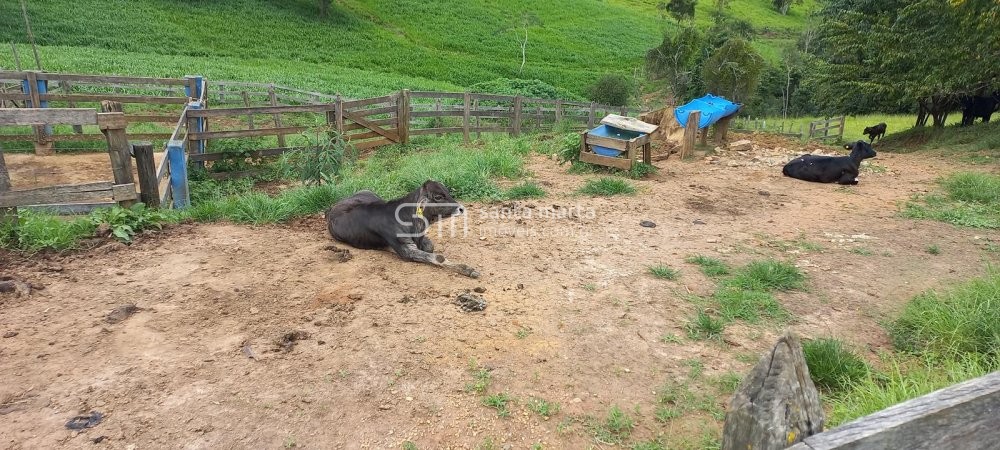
[{"x": 712, "y": 109}]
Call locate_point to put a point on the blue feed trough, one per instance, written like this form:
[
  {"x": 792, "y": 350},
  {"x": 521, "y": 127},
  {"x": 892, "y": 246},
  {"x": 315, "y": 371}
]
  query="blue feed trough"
[
  {"x": 614, "y": 133},
  {"x": 712, "y": 109}
]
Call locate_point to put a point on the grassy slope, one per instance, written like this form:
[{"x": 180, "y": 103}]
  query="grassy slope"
[{"x": 365, "y": 46}]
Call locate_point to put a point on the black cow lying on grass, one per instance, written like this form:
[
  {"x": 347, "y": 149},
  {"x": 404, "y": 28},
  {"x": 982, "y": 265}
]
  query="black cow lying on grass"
[
  {"x": 830, "y": 169},
  {"x": 877, "y": 131},
  {"x": 365, "y": 221}
]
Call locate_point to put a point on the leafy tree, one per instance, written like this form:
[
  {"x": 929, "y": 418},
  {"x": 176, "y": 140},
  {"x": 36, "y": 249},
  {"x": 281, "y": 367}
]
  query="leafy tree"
[
  {"x": 613, "y": 90},
  {"x": 783, "y": 5},
  {"x": 900, "y": 54},
  {"x": 675, "y": 59},
  {"x": 733, "y": 70},
  {"x": 679, "y": 9}
]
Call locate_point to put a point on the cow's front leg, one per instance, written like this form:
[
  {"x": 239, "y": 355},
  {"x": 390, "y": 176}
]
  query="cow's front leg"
[
  {"x": 424, "y": 243},
  {"x": 411, "y": 252},
  {"x": 848, "y": 177}
]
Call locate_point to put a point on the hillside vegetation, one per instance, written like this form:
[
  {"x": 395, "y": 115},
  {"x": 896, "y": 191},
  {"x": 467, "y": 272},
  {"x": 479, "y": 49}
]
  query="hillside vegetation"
[{"x": 364, "y": 47}]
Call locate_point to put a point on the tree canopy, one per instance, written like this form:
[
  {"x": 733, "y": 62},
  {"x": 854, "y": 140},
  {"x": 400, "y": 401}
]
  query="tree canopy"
[{"x": 733, "y": 70}]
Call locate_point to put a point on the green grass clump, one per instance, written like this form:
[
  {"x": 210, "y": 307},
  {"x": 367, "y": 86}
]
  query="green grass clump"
[
  {"x": 749, "y": 305},
  {"x": 616, "y": 427},
  {"x": 481, "y": 379},
  {"x": 767, "y": 275},
  {"x": 704, "y": 326},
  {"x": 832, "y": 366},
  {"x": 525, "y": 190},
  {"x": 498, "y": 402},
  {"x": 962, "y": 320},
  {"x": 36, "y": 231},
  {"x": 934, "y": 249},
  {"x": 607, "y": 187},
  {"x": 709, "y": 266},
  {"x": 542, "y": 407},
  {"x": 655, "y": 444},
  {"x": 969, "y": 199},
  {"x": 664, "y": 272},
  {"x": 903, "y": 379}
]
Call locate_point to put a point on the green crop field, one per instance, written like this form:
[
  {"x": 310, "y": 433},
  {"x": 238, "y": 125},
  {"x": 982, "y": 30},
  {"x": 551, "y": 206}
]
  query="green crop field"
[{"x": 363, "y": 47}]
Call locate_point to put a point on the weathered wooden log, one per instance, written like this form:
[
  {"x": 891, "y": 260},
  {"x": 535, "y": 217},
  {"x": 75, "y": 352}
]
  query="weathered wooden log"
[{"x": 777, "y": 405}]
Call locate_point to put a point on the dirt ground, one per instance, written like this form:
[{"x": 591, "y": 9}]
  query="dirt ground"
[{"x": 258, "y": 337}]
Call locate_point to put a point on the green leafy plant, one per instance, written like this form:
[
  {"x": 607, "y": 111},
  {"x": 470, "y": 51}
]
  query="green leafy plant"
[
  {"x": 498, "y": 402},
  {"x": 124, "y": 223},
  {"x": 542, "y": 407},
  {"x": 323, "y": 160}
]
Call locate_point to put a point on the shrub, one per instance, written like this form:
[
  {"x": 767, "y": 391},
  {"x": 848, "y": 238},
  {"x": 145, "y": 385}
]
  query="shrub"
[
  {"x": 323, "y": 160},
  {"x": 832, "y": 366},
  {"x": 526, "y": 88},
  {"x": 611, "y": 89}
]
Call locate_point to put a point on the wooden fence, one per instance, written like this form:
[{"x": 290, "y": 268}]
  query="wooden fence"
[
  {"x": 820, "y": 129},
  {"x": 777, "y": 407},
  {"x": 79, "y": 197},
  {"x": 276, "y": 116},
  {"x": 43, "y": 90}
]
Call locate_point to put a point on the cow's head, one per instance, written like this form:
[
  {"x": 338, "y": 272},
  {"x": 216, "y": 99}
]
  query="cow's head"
[
  {"x": 868, "y": 130},
  {"x": 437, "y": 202},
  {"x": 861, "y": 150}
]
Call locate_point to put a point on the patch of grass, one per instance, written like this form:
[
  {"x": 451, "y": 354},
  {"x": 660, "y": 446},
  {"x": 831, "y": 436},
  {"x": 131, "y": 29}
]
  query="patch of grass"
[
  {"x": 832, "y": 366},
  {"x": 665, "y": 413},
  {"x": 962, "y": 320},
  {"x": 655, "y": 444},
  {"x": 903, "y": 379},
  {"x": 695, "y": 368},
  {"x": 607, "y": 187},
  {"x": 934, "y": 249},
  {"x": 528, "y": 189},
  {"x": 640, "y": 170},
  {"x": 36, "y": 231},
  {"x": 498, "y": 402},
  {"x": 704, "y": 326},
  {"x": 616, "y": 427},
  {"x": 749, "y": 305},
  {"x": 664, "y": 272},
  {"x": 969, "y": 199},
  {"x": 481, "y": 379},
  {"x": 409, "y": 445},
  {"x": 767, "y": 275},
  {"x": 709, "y": 266},
  {"x": 523, "y": 333},
  {"x": 543, "y": 407},
  {"x": 590, "y": 287},
  {"x": 863, "y": 251},
  {"x": 728, "y": 382},
  {"x": 487, "y": 444},
  {"x": 670, "y": 338}
]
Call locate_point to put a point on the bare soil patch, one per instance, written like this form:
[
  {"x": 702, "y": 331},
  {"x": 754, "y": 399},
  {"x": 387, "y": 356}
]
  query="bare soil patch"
[{"x": 263, "y": 337}]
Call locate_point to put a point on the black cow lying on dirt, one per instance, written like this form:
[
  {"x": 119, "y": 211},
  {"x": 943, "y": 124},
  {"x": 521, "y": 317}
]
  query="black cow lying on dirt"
[
  {"x": 829, "y": 169},
  {"x": 364, "y": 220},
  {"x": 877, "y": 131}
]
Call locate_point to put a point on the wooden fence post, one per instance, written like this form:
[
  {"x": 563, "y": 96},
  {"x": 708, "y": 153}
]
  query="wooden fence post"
[
  {"x": 722, "y": 129},
  {"x": 145, "y": 167},
  {"x": 112, "y": 123},
  {"x": 812, "y": 128},
  {"x": 338, "y": 114},
  {"x": 246, "y": 102},
  {"x": 196, "y": 125},
  {"x": 437, "y": 107},
  {"x": 475, "y": 107},
  {"x": 590, "y": 117},
  {"x": 559, "y": 111},
  {"x": 516, "y": 126},
  {"x": 776, "y": 405},
  {"x": 466, "y": 100},
  {"x": 277, "y": 117},
  {"x": 690, "y": 133},
  {"x": 222, "y": 93},
  {"x": 403, "y": 116},
  {"x": 6, "y": 214},
  {"x": 843, "y": 120},
  {"x": 31, "y": 86}
]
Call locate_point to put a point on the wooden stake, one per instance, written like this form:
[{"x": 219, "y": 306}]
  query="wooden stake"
[{"x": 145, "y": 166}]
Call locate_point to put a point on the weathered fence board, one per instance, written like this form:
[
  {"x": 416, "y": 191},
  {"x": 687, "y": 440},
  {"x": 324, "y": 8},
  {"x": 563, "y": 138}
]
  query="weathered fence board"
[
  {"x": 963, "y": 416},
  {"x": 88, "y": 192},
  {"x": 48, "y": 116}
]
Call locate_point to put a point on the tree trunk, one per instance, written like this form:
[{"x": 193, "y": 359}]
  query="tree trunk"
[
  {"x": 324, "y": 7},
  {"x": 921, "y": 115}
]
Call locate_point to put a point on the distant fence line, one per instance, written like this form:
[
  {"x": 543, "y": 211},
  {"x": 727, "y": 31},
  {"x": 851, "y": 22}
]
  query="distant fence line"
[
  {"x": 258, "y": 110},
  {"x": 822, "y": 129}
]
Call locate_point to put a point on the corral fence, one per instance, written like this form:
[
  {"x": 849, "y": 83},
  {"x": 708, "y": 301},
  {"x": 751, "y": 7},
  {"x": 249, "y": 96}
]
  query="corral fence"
[
  {"x": 823, "y": 129},
  {"x": 214, "y": 121},
  {"x": 777, "y": 406}
]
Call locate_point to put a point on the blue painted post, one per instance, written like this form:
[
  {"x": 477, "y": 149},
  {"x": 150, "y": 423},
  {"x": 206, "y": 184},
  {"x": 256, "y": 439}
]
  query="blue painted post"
[
  {"x": 199, "y": 86},
  {"x": 197, "y": 125},
  {"x": 43, "y": 88},
  {"x": 178, "y": 174}
]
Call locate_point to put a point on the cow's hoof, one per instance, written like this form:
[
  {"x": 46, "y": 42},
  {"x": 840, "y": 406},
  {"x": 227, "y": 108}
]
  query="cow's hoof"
[{"x": 467, "y": 271}]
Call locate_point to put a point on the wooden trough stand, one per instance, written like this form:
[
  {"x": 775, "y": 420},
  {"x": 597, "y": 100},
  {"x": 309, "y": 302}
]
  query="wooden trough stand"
[{"x": 630, "y": 148}]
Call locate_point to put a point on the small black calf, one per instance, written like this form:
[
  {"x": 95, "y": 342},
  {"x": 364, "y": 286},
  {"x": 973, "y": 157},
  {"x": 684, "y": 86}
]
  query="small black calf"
[
  {"x": 364, "y": 220},
  {"x": 830, "y": 169},
  {"x": 877, "y": 131}
]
